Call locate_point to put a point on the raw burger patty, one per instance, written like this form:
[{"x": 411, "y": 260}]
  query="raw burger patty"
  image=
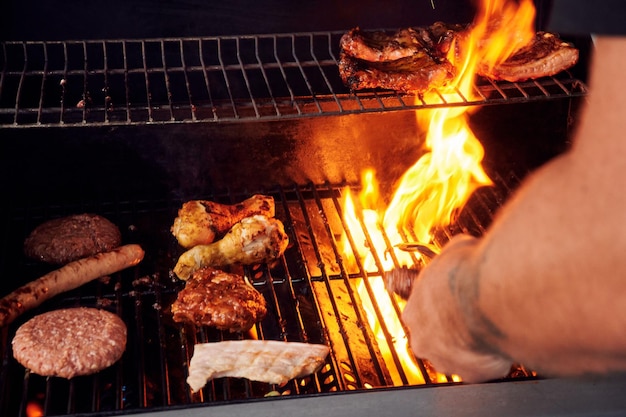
[
  {"x": 70, "y": 238},
  {"x": 70, "y": 342}
]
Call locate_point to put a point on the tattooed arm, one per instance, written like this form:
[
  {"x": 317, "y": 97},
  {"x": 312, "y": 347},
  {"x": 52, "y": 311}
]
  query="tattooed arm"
[{"x": 546, "y": 285}]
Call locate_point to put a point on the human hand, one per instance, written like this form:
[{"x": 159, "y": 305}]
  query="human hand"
[{"x": 436, "y": 315}]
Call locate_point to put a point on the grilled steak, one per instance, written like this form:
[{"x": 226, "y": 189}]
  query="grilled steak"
[
  {"x": 258, "y": 360},
  {"x": 416, "y": 59},
  {"x": 415, "y": 73},
  {"x": 215, "y": 298},
  {"x": 409, "y": 60},
  {"x": 377, "y": 46},
  {"x": 382, "y": 46},
  {"x": 544, "y": 56}
]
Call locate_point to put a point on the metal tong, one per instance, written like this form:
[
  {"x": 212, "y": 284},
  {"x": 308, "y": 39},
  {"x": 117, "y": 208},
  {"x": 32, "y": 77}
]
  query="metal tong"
[
  {"x": 430, "y": 251},
  {"x": 400, "y": 280}
]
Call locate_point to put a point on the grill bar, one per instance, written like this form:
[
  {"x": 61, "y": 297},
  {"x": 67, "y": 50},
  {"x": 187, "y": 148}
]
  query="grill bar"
[
  {"x": 381, "y": 318},
  {"x": 209, "y": 79},
  {"x": 342, "y": 282},
  {"x": 168, "y": 88}
]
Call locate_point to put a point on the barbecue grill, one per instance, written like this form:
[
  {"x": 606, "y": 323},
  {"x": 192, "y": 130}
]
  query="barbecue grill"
[{"x": 132, "y": 128}]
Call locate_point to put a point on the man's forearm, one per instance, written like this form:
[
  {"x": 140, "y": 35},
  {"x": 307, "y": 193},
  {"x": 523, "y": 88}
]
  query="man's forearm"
[
  {"x": 548, "y": 285},
  {"x": 544, "y": 292}
]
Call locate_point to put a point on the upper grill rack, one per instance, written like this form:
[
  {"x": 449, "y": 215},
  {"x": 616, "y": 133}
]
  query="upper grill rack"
[{"x": 209, "y": 79}]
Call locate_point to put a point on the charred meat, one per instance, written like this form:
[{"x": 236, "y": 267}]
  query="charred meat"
[
  {"x": 378, "y": 46},
  {"x": 212, "y": 297},
  {"x": 66, "y": 239},
  {"x": 416, "y": 59},
  {"x": 408, "y": 60},
  {"x": 544, "y": 56},
  {"x": 415, "y": 73}
]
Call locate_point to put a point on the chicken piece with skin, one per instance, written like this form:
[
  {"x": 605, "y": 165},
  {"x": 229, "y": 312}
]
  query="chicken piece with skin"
[
  {"x": 255, "y": 239},
  {"x": 201, "y": 222}
]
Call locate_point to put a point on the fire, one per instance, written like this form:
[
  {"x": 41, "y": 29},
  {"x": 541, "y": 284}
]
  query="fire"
[
  {"x": 502, "y": 28},
  {"x": 436, "y": 187},
  {"x": 33, "y": 409}
]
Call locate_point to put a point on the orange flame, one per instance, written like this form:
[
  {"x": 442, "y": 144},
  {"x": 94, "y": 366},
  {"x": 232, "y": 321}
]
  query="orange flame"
[
  {"x": 34, "y": 409},
  {"x": 437, "y": 186},
  {"x": 503, "y": 28}
]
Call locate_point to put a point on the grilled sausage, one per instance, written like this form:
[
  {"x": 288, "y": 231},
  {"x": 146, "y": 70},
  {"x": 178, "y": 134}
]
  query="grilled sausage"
[{"x": 66, "y": 278}]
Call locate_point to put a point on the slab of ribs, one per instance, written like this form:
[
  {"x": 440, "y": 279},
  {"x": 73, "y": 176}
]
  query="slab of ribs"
[{"x": 415, "y": 60}]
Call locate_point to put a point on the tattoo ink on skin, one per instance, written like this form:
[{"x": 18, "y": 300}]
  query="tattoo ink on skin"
[{"x": 484, "y": 332}]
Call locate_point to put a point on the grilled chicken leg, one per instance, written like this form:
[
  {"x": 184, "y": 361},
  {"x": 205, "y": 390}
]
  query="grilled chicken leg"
[
  {"x": 255, "y": 239},
  {"x": 200, "y": 222}
]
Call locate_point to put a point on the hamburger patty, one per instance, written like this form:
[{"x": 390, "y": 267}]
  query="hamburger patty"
[
  {"x": 66, "y": 239},
  {"x": 70, "y": 342},
  {"x": 212, "y": 297}
]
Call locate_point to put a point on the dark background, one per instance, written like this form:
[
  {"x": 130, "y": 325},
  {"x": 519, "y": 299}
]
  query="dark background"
[{"x": 85, "y": 19}]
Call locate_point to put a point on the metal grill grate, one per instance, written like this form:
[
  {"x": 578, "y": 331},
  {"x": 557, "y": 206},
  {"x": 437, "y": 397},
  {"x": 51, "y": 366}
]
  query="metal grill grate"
[
  {"x": 312, "y": 293},
  {"x": 212, "y": 79}
]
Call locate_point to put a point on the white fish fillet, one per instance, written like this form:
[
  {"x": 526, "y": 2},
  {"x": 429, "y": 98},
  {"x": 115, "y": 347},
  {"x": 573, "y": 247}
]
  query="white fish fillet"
[{"x": 269, "y": 361}]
